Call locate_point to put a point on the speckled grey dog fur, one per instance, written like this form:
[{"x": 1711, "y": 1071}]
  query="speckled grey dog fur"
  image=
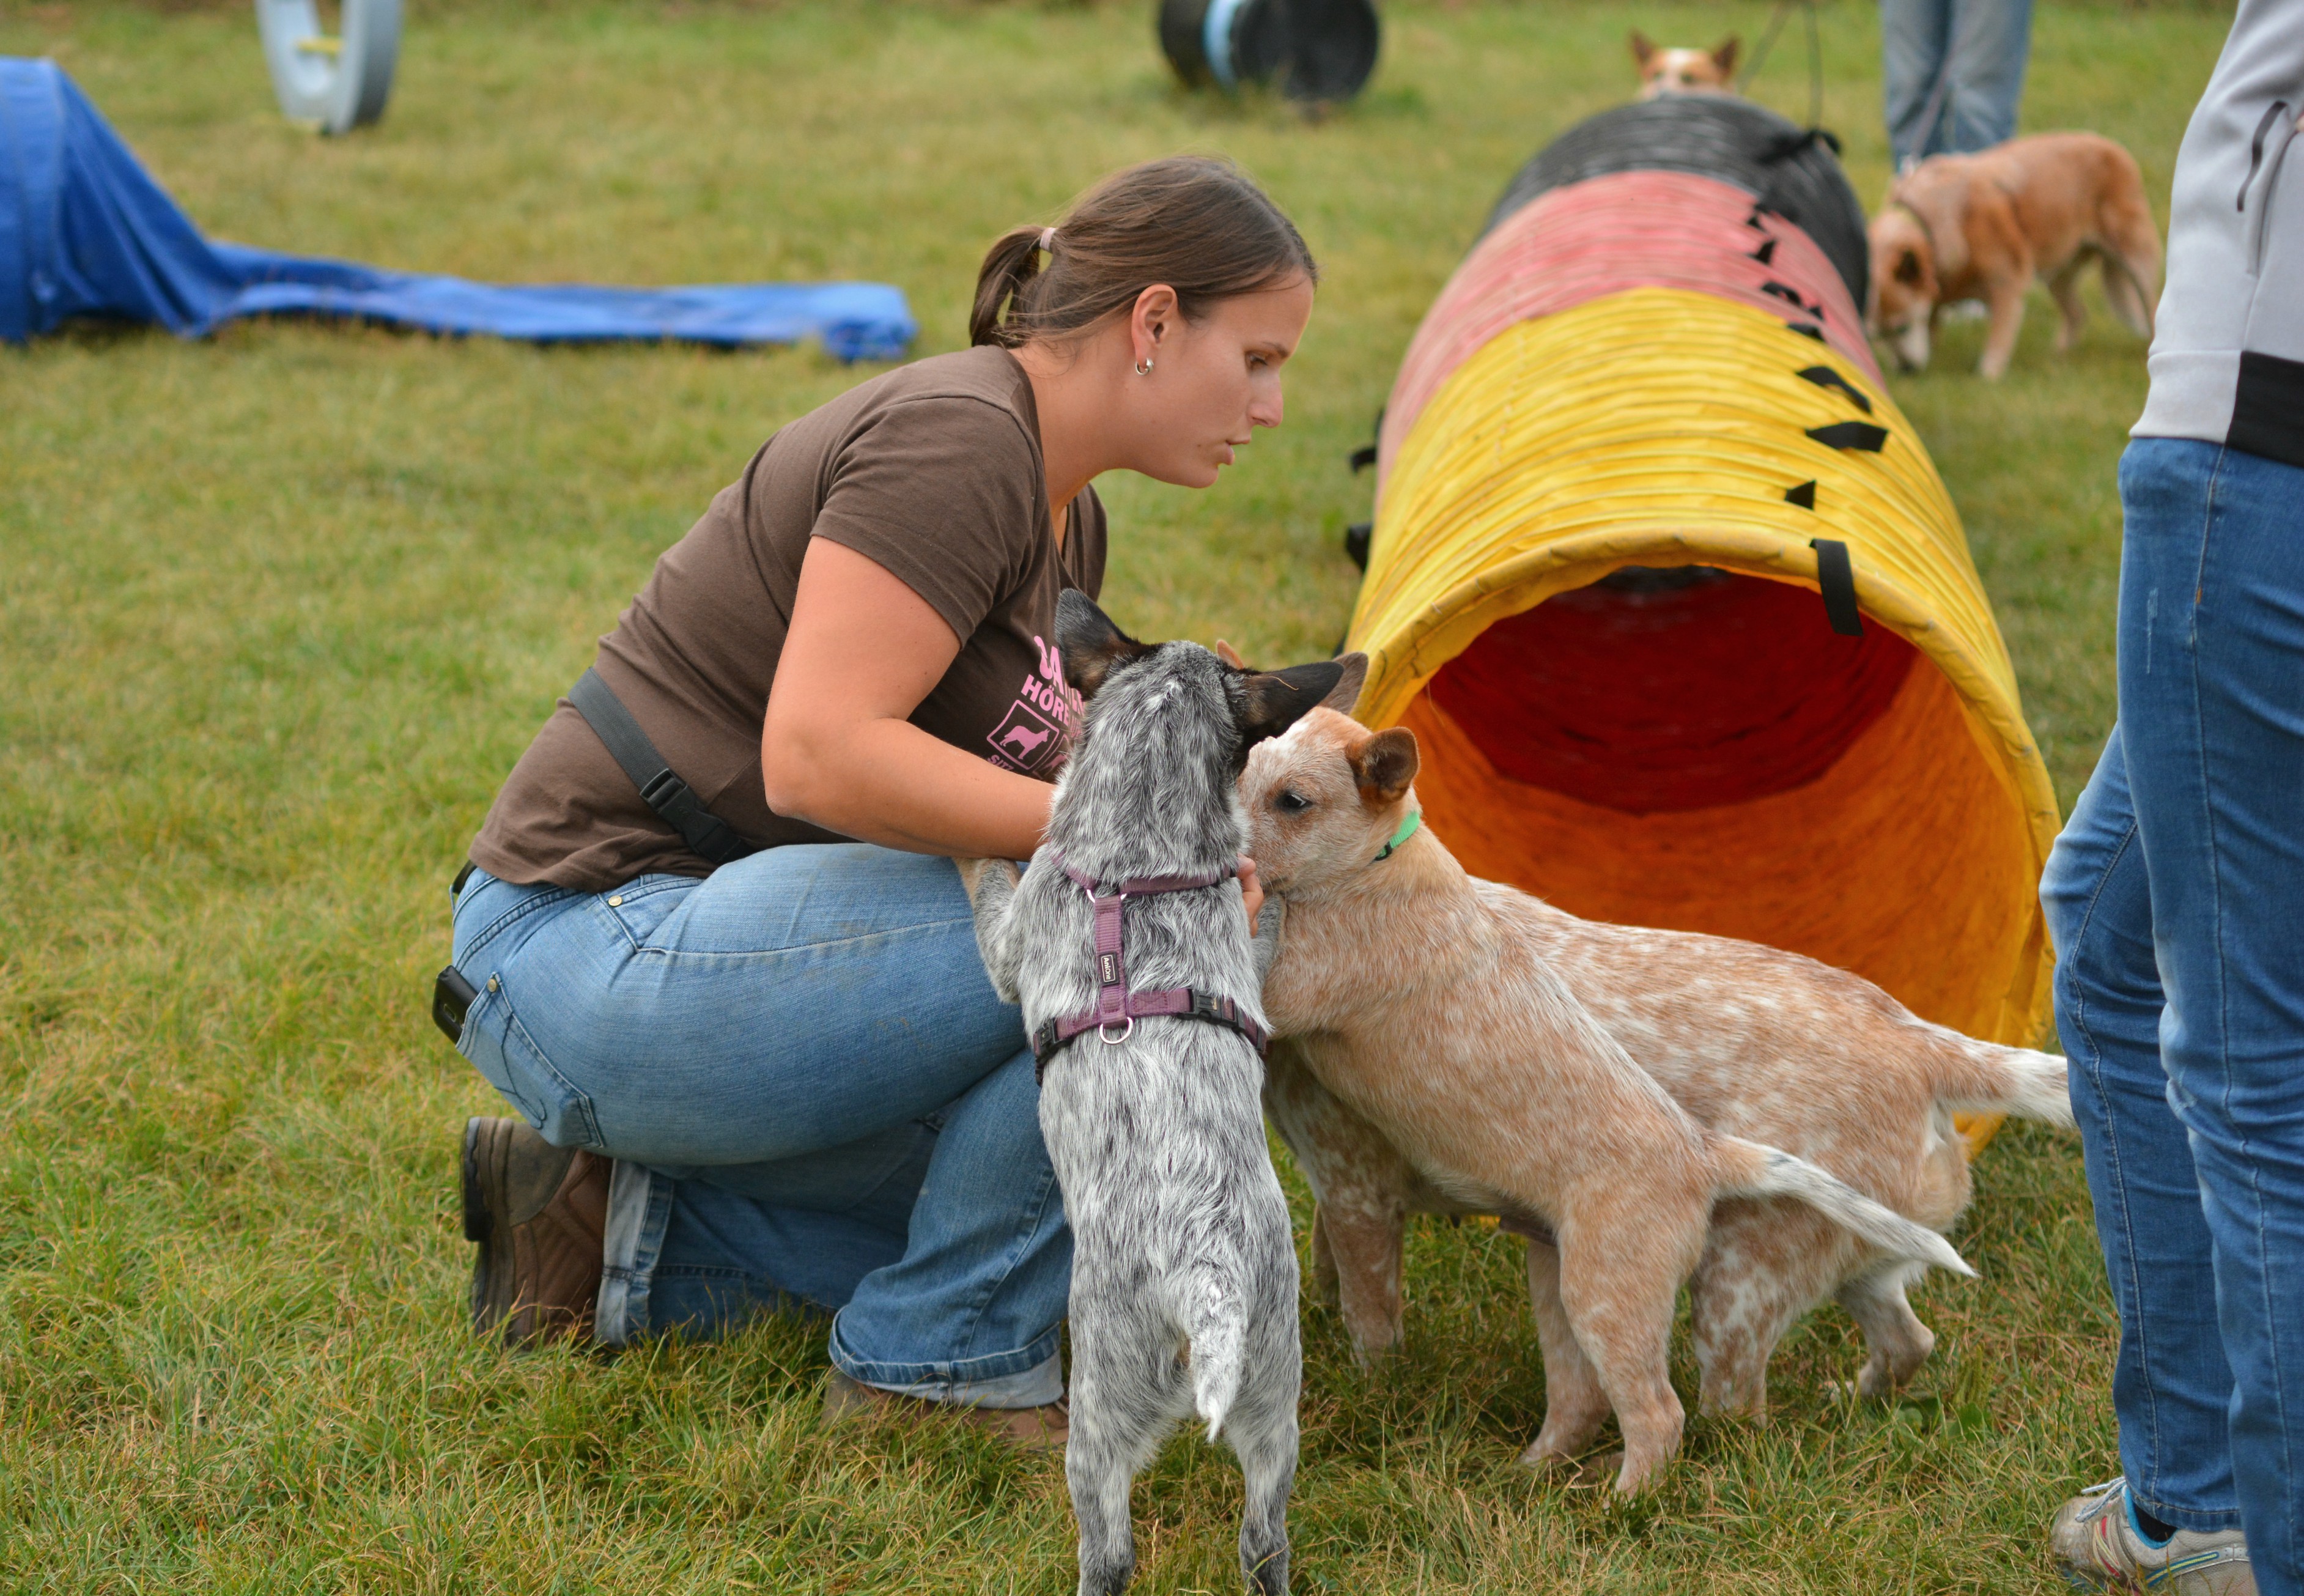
[{"x": 1184, "y": 1294}]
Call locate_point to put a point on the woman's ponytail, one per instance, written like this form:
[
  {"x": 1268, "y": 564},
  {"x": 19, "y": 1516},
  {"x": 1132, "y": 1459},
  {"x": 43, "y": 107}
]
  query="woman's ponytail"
[
  {"x": 1009, "y": 268},
  {"x": 1200, "y": 225}
]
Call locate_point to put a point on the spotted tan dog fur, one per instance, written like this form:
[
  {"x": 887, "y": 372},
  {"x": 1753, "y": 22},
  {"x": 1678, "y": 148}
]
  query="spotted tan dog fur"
[
  {"x": 1414, "y": 997},
  {"x": 1426, "y": 1010}
]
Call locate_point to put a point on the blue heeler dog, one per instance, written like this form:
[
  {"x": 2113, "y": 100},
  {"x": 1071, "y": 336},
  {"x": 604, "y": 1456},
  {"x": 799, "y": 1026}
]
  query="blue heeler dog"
[{"x": 1126, "y": 944}]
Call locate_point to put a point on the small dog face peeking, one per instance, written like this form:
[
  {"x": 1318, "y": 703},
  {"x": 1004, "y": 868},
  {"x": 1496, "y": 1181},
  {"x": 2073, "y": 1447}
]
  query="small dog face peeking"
[{"x": 1676, "y": 71}]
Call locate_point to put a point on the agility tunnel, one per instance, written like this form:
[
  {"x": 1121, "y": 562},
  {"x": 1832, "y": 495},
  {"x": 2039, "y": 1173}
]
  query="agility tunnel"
[{"x": 1669, "y": 591}]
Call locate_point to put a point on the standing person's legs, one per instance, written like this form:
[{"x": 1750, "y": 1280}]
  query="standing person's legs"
[
  {"x": 2171, "y": 1387},
  {"x": 1915, "y": 36},
  {"x": 806, "y": 1081},
  {"x": 1991, "y": 41},
  {"x": 2212, "y": 718}
]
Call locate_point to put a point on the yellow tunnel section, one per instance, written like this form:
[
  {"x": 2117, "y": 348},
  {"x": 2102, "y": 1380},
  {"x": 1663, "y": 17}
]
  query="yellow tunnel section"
[{"x": 1563, "y": 518}]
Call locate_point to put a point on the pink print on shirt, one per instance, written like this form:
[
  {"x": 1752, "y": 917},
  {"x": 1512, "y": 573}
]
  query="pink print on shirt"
[{"x": 1033, "y": 736}]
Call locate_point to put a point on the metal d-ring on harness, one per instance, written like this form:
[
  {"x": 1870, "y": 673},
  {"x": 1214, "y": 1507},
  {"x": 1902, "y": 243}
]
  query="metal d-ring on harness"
[{"x": 1115, "y": 1004}]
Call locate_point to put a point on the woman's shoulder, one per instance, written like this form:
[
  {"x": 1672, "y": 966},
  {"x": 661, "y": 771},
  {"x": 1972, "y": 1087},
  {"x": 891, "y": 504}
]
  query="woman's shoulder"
[
  {"x": 982, "y": 387},
  {"x": 967, "y": 414}
]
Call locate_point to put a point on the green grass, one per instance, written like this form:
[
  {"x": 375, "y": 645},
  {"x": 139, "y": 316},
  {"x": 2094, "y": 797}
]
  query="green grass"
[{"x": 281, "y": 609}]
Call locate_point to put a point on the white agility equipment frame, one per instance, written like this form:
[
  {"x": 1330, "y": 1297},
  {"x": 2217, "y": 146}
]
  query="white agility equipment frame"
[{"x": 337, "y": 82}]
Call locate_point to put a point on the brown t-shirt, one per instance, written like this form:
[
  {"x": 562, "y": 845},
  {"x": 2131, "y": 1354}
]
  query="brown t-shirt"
[{"x": 932, "y": 471}]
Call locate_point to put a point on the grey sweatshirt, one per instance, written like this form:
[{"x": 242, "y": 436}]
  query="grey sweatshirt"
[{"x": 2228, "y": 345}]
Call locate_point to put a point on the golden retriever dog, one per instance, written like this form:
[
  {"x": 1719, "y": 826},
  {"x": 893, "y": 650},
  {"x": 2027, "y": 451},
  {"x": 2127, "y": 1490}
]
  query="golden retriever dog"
[
  {"x": 1983, "y": 226},
  {"x": 1439, "y": 1059}
]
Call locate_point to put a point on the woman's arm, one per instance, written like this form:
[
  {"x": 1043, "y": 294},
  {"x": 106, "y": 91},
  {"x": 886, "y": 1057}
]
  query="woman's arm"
[{"x": 837, "y": 749}]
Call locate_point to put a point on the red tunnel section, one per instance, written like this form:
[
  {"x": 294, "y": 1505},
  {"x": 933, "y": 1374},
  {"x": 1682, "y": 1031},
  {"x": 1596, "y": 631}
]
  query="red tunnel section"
[{"x": 1655, "y": 692}]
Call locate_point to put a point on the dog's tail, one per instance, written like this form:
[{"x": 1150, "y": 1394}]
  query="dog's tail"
[
  {"x": 1748, "y": 1169},
  {"x": 1216, "y": 1320},
  {"x": 1974, "y": 1077}
]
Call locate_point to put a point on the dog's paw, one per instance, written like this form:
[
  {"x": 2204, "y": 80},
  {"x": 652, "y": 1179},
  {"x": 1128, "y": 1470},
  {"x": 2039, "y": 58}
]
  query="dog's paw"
[
  {"x": 1876, "y": 1380},
  {"x": 1549, "y": 1458},
  {"x": 1870, "y": 1385},
  {"x": 1600, "y": 1472},
  {"x": 972, "y": 874}
]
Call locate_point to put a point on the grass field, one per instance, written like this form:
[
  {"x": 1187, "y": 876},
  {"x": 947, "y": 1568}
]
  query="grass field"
[{"x": 278, "y": 612}]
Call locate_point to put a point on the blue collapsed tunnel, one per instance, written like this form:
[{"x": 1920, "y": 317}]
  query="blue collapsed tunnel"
[{"x": 84, "y": 231}]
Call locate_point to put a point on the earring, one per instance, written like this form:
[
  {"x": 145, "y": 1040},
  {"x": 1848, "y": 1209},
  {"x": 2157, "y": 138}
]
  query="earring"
[{"x": 1144, "y": 367}]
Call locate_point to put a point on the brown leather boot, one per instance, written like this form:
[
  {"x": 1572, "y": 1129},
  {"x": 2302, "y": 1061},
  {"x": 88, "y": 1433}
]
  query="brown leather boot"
[
  {"x": 1043, "y": 1429},
  {"x": 538, "y": 1212}
]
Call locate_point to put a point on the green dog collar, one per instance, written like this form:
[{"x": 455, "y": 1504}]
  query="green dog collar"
[{"x": 1407, "y": 829}]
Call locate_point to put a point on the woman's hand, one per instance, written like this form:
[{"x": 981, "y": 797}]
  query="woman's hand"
[
  {"x": 1251, "y": 891},
  {"x": 837, "y": 748}
]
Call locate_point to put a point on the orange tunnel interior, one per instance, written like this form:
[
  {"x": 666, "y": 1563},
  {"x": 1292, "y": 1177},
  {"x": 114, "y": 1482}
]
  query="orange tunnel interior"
[{"x": 1697, "y": 749}]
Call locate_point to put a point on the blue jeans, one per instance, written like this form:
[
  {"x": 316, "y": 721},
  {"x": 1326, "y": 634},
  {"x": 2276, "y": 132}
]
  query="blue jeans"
[
  {"x": 2176, "y": 900},
  {"x": 1979, "y": 47},
  {"x": 812, "y": 1096}
]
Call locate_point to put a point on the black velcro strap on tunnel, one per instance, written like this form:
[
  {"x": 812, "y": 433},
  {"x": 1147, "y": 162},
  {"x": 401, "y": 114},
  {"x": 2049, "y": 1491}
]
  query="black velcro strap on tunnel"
[
  {"x": 1836, "y": 576},
  {"x": 1824, "y": 377},
  {"x": 1787, "y": 292},
  {"x": 1850, "y": 435},
  {"x": 675, "y": 801}
]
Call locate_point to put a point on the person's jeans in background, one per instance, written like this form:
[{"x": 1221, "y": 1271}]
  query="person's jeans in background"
[
  {"x": 812, "y": 1096},
  {"x": 1977, "y": 48},
  {"x": 2175, "y": 898}
]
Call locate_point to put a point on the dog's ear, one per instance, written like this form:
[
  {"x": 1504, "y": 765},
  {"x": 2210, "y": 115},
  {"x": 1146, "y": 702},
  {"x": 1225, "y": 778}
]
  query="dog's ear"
[
  {"x": 1267, "y": 703},
  {"x": 1724, "y": 58},
  {"x": 1384, "y": 766},
  {"x": 1908, "y": 267},
  {"x": 1643, "y": 47},
  {"x": 1344, "y": 697},
  {"x": 1229, "y": 655},
  {"x": 1090, "y": 644}
]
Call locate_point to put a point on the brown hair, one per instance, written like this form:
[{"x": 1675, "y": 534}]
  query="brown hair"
[{"x": 1198, "y": 225}]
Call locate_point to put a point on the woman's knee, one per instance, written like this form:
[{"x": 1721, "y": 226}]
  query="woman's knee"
[
  {"x": 2099, "y": 915},
  {"x": 2098, "y": 906},
  {"x": 2094, "y": 892},
  {"x": 2067, "y": 884}
]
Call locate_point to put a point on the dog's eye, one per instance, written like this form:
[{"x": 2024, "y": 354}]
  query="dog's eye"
[{"x": 1289, "y": 801}]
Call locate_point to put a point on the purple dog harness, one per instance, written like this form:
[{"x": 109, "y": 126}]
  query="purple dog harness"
[{"x": 1115, "y": 1004}]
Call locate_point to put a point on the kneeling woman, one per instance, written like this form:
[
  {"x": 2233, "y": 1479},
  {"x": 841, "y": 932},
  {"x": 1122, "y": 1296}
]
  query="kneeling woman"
[{"x": 759, "y": 1063}]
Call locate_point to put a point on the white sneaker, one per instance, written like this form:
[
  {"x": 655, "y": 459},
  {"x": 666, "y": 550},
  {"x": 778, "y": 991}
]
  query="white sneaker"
[{"x": 2097, "y": 1545}]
